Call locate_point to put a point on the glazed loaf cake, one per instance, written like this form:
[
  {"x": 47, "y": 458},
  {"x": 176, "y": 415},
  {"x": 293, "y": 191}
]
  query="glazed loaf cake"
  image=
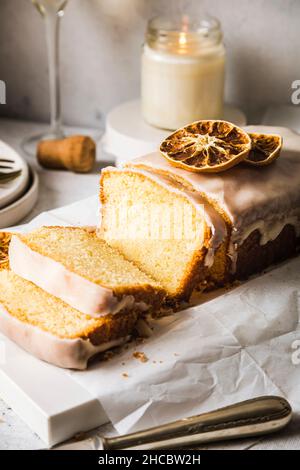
[{"x": 259, "y": 208}]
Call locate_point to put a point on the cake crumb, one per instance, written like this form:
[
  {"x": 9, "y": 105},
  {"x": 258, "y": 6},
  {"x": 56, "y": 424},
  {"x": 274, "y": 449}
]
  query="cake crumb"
[
  {"x": 141, "y": 356},
  {"x": 107, "y": 355}
]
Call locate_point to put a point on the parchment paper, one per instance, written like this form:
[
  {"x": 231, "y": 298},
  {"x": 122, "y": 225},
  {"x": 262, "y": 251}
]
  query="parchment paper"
[{"x": 233, "y": 348}]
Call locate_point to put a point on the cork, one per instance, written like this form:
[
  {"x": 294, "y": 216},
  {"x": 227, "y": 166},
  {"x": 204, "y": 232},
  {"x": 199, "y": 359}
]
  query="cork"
[{"x": 76, "y": 153}]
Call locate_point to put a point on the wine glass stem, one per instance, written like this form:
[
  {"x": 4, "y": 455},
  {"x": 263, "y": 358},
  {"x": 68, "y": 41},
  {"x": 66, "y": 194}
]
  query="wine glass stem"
[{"x": 52, "y": 34}]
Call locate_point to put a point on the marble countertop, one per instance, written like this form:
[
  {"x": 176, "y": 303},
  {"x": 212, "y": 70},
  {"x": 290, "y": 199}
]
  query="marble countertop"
[{"x": 58, "y": 189}]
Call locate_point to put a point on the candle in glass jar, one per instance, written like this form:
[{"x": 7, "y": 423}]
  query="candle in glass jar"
[{"x": 183, "y": 66}]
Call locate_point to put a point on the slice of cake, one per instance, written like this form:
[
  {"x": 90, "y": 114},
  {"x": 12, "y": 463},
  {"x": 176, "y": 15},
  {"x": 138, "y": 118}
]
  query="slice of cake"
[
  {"x": 172, "y": 235},
  {"x": 74, "y": 265},
  {"x": 52, "y": 330}
]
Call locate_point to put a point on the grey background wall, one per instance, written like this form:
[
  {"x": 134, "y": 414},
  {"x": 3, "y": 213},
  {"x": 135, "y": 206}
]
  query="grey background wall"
[{"x": 101, "y": 45}]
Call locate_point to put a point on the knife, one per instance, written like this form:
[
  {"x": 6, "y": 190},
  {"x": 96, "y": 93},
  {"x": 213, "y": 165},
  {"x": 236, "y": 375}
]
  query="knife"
[{"x": 258, "y": 416}]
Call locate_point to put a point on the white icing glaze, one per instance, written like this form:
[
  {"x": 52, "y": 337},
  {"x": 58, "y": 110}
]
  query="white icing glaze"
[
  {"x": 53, "y": 277},
  {"x": 270, "y": 229},
  {"x": 62, "y": 352},
  {"x": 247, "y": 194}
]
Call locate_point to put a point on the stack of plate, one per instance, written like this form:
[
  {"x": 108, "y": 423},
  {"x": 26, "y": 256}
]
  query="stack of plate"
[{"x": 17, "y": 197}]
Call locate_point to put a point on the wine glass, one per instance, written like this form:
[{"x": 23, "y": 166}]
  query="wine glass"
[{"x": 52, "y": 12}]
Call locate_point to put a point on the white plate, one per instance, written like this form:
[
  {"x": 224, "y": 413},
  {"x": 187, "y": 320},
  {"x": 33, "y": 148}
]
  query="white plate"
[
  {"x": 16, "y": 211},
  {"x": 10, "y": 192}
]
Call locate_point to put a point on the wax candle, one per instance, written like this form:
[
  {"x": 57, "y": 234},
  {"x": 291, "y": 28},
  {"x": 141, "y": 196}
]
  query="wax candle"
[{"x": 183, "y": 65}]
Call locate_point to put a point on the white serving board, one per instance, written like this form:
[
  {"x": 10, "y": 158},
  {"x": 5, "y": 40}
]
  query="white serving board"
[{"x": 46, "y": 397}]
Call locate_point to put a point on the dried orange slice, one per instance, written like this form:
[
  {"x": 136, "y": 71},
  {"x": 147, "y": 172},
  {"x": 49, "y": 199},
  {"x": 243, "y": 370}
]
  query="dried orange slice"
[
  {"x": 206, "y": 146},
  {"x": 265, "y": 148},
  {"x": 4, "y": 244}
]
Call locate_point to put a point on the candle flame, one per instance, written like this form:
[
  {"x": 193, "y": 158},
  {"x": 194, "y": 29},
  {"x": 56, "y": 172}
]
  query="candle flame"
[{"x": 182, "y": 39}]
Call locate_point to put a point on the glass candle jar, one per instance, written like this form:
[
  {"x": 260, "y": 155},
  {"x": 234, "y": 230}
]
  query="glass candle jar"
[{"x": 183, "y": 66}]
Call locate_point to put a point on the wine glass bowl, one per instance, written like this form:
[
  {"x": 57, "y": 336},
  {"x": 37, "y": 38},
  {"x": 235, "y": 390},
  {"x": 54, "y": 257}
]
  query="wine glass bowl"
[{"x": 44, "y": 6}]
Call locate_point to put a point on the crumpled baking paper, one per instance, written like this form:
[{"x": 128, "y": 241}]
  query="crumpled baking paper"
[
  {"x": 239, "y": 345},
  {"x": 235, "y": 347}
]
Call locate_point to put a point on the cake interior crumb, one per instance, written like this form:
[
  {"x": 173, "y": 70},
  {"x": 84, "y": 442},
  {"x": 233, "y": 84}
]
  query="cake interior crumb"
[{"x": 141, "y": 356}]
